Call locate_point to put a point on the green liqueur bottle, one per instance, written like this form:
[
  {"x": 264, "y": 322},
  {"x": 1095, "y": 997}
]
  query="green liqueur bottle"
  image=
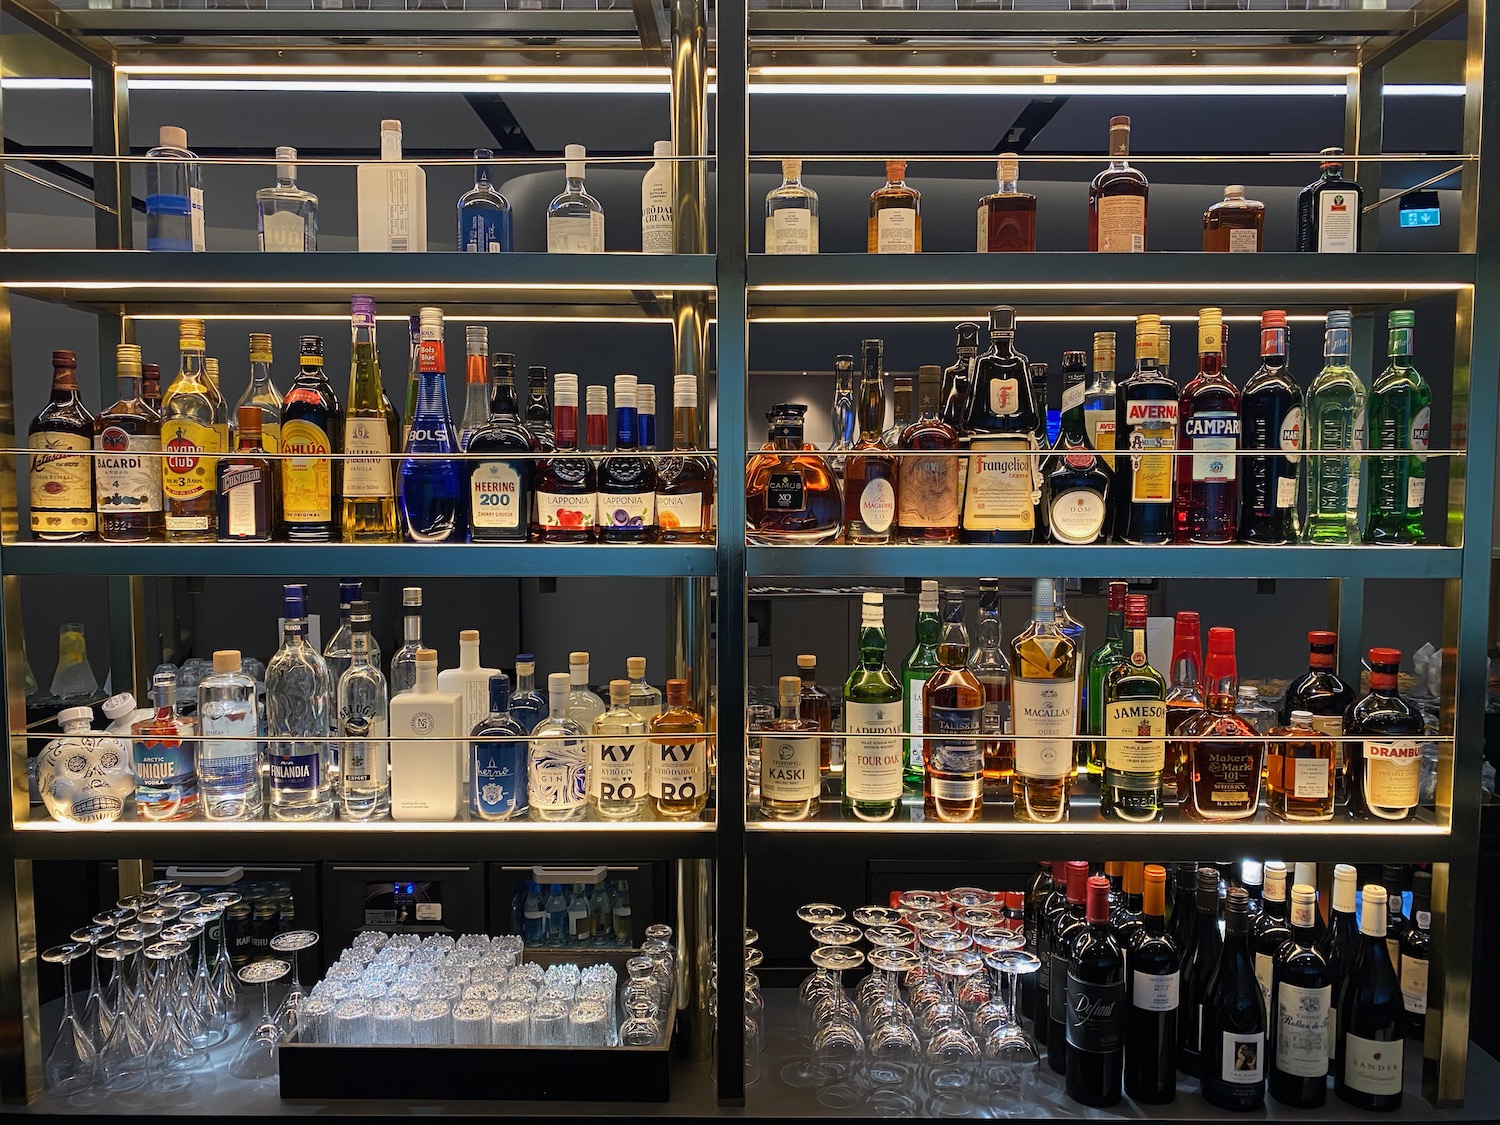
[
  {"x": 1400, "y": 418},
  {"x": 1135, "y": 724},
  {"x": 873, "y": 765},
  {"x": 1101, "y": 660},
  {"x": 1335, "y": 424},
  {"x": 920, "y": 663}
]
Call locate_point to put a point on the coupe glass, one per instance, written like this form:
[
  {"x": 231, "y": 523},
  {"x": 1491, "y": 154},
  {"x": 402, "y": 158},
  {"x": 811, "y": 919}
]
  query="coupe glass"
[
  {"x": 838, "y": 1048},
  {"x": 291, "y": 943},
  {"x": 259, "y": 1053},
  {"x": 71, "y": 1062}
]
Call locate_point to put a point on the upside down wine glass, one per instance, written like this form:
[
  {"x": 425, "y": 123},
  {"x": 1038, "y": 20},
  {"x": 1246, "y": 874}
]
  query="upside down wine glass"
[
  {"x": 838, "y": 1047},
  {"x": 71, "y": 1061},
  {"x": 260, "y": 1052}
]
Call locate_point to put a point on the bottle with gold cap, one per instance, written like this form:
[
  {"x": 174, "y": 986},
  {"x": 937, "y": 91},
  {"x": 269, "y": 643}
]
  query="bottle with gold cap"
[
  {"x": 247, "y": 486},
  {"x": 192, "y": 442},
  {"x": 1208, "y": 500},
  {"x": 790, "y": 782},
  {"x": 618, "y": 759},
  {"x": 61, "y": 470},
  {"x": 1146, "y": 424},
  {"x": 127, "y": 472},
  {"x": 225, "y": 419},
  {"x": 261, "y": 392},
  {"x": 229, "y": 785}
]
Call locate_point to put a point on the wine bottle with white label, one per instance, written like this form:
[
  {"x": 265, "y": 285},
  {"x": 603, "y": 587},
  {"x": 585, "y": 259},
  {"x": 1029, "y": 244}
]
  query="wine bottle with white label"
[
  {"x": 1367, "y": 1069},
  {"x": 1155, "y": 976},
  {"x": 1300, "y": 1010},
  {"x": 1269, "y": 930},
  {"x": 1233, "y": 1036}
]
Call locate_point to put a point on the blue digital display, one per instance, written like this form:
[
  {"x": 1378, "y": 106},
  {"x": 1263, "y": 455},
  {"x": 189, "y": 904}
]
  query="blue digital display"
[{"x": 1421, "y": 216}]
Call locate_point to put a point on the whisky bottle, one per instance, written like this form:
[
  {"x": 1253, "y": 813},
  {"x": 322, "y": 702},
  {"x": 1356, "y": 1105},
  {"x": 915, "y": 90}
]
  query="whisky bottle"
[
  {"x": 312, "y": 422},
  {"x": 1003, "y": 484},
  {"x": 679, "y": 779},
  {"x": 1077, "y": 480},
  {"x": 1326, "y": 698},
  {"x": 901, "y": 412},
  {"x": 1299, "y": 771},
  {"x": 1335, "y": 434},
  {"x": 870, "y": 492},
  {"x": 685, "y": 480},
  {"x": 927, "y": 488},
  {"x": 619, "y": 767},
  {"x": 1117, "y": 198},
  {"x": 1207, "y": 501},
  {"x": 1101, "y": 661},
  {"x": 247, "y": 487},
  {"x": 567, "y": 502},
  {"x": 919, "y": 665},
  {"x": 1145, "y": 424},
  {"x": 1099, "y": 398},
  {"x": 1233, "y": 225},
  {"x": 191, "y": 443},
  {"x": 872, "y": 780},
  {"x": 61, "y": 470},
  {"x": 627, "y": 481},
  {"x": 817, "y": 709},
  {"x": 1329, "y": 210},
  {"x": 500, "y": 488},
  {"x": 127, "y": 470},
  {"x": 1044, "y": 701},
  {"x": 1388, "y": 768},
  {"x": 1007, "y": 219},
  {"x": 151, "y": 386},
  {"x": 958, "y": 379},
  {"x": 1400, "y": 421},
  {"x": 261, "y": 392},
  {"x": 370, "y": 427},
  {"x": 1225, "y": 756},
  {"x": 1185, "y": 697},
  {"x": 792, "y": 214},
  {"x": 791, "y": 493},
  {"x": 952, "y": 717},
  {"x": 895, "y": 223},
  {"x": 991, "y": 667},
  {"x": 1135, "y": 728},
  {"x": 1271, "y": 420},
  {"x": 789, "y": 777}
]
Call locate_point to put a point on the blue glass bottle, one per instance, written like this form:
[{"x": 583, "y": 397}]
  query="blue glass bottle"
[
  {"x": 498, "y": 763},
  {"x": 483, "y": 213},
  {"x": 431, "y": 488},
  {"x": 527, "y": 706}
]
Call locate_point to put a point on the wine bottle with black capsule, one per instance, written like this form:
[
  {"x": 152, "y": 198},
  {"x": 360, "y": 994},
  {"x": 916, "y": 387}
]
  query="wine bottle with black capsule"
[
  {"x": 1368, "y": 1066},
  {"x": 1301, "y": 1008},
  {"x": 1070, "y": 924},
  {"x": 1036, "y": 897},
  {"x": 1095, "y": 1053},
  {"x": 1155, "y": 987},
  {"x": 1233, "y": 1035},
  {"x": 1054, "y": 905},
  {"x": 1416, "y": 949},
  {"x": 1268, "y": 929},
  {"x": 1197, "y": 970}
]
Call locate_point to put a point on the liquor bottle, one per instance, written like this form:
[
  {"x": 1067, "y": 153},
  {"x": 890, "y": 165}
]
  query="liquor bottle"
[
  {"x": 1386, "y": 771},
  {"x": 645, "y": 417},
  {"x": 1335, "y": 424},
  {"x": 528, "y": 706},
  {"x": 1400, "y": 420},
  {"x": 1199, "y": 961},
  {"x": 127, "y": 472},
  {"x": 596, "y": 418},
  {"x": 497, "y": 759},
  {"x": 1054, "y": 903},
  {"x": 927, "y": 488},
  {"x": 685, "y": 480},
  {"x": 1099, "y": 398},
  {"x": 392, "y": 199},
  {"x": 229, "y": 755},
  {"x": 1117, "y": 198},
  {"x": 645, "y": 700},
  {"x": 287, "y": 216},
  {"x": 151, "y": 386},
  {"x": 362, "y": 710},
  {"x": 430, "y": 480},
  {"x": 872, "y": 723},
  {"x": 1416, "y": 951},
  {"x": 1271, "y": 420},
  {"x": 678, "y": 757},
  {"x": 1077, "y": 478},
  {"x": 1003, "y": 483},
  {"x": 843, "y": 413},
  {"x": 163, "y": 757},
  {"x": 1300, "y": 1010},
  {"x": 469, "y": 681},
  {"x": 1329, "y": 209},
  {"x": 895, "y": 223},
  {"x": 1104, "y": 658},
  {"x": 1126, "y": 919},
  {"x": 575, "y": 219},
  {"x": 1233, "y": 1038},
  {"x": 789, "y": 777},
  {"x": 403, "y": 675},
  {"x": 991, "y": 667},
  {"x": 247, "y": 491},
  {"x": 1393, "y": 879},
  {"x": 311, "y": 424},
  {"x": 539, "y": 408},
  {"x": 1072, "y": 628},
  {"x": 484, "y": 215},
  {"x": 657, "y": 198},
  {"x": 500, "y": 489},
  {"x": 174, "y": 194},
  {"x": 627, "y": 481},
  {"x": 567, "y": 502},
  {"x": 368, "y": 512},
  {"x": 1095, "y": 1055},
  {"x": 1186, "y": 697},
  {"x": 901, "y": 395},
  {"x": 618, "y": 764},
  {"x": 1036, "y": 375},
  {"x": 1233, "y": 225},
  {"x": 870, "y": 473},
  {"x": 920, "y": 663},
  {"x": 1044, "y": 702},
  {"x": 413, "y": 378},
  {"x": 791, "y": 494},
  {"x": 791, "y": 214},
  {"x": 1209, "y": 414},
  {"x": 338, "y": 651},
  {"x": 1249, "y": 707},
  {"x": 1151, "y": 1020},
  {"x": 952, "y": 717},
  {"x": 299, "y": 706},
  {"x": 1300, "y": 770},
  {"x": 1007, "y": 219},
  {"x": 1145, "y": 424},
  {"x": 62, "y": 472},
  {"x": 1068, "y": 926},
  {"x": 192, "y": 442},
  {"x": 1368, "y": 1070},
  {"x": 1337, "y": 944},
  {"x": 584, "y": 706},
  {"x": 817, "y": 708},
  {"x": 225, "y": 421},
  {"x": 1224, "y": 776},
  {"x": 958, "y": 378},
  {"x": 476, "y": 413},
  {"x": 262, "y": 393},
  {"x": 1269, "y": 932},
  {"x": 428, "y": 740},
  {"x": 1327, "y": 698},
  {"x": 1135, "y": 728}
]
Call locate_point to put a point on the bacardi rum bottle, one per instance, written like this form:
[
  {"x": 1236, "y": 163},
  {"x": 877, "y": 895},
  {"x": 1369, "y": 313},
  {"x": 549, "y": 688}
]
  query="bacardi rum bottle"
[{"x": 127, "y": 472}]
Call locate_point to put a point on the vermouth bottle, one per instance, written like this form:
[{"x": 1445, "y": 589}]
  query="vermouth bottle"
[
  {"x": 1044, "y": 700},
  {"x": 952, "y": 711},
  {"x": 1400, "y": 422},
  {"x": 1135, "y": 727},
  {"x": 1209, "y": 415},
  {"x": 1003, "y": 484},
  {"x": 1271, "y": 420},
  {"x": 299, "y": 706},
  {"x": 872, "y": 723},
  {"x": 370, "y": 435},
  {"x": 1335, "y": 433},
  {"x": 1146, "y": 426}
]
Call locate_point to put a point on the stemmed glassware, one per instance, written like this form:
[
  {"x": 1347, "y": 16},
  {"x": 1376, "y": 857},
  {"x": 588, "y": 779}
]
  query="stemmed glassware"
[
  {"x": 221, "y": 976},
  {"x": 71, "y": 1061},
  {"x": 170, "y": 1055},
  {"x": 259, "y": 1053},
  {"x": 291, "y": 943},
  {"x": 838, "y": 1047},
  {"x": 996, "y": 1011},
  {"x": 817, "y": 983},
  {"x": 893, "y": 1047},
  {"x": 202, "y": 997},
  {"x": 122, "y": 1060},
  {"x": 1010, "y": 1061},
  {"x": 95, "y": 1016},
  {"x": 952, "y": 1053}
]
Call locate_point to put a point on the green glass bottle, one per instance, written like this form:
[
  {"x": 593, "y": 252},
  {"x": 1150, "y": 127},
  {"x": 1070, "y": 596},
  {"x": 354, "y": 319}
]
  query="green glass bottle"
[
  {"x": 920, "y": 663},
  {"x": 1101, "y": 661},
  {"x": 1135, "y": 724},
  {"x": 1400, "y": 419},
  {"x": 873, "y": 764},
  {"x": 1335, "y": 424}
]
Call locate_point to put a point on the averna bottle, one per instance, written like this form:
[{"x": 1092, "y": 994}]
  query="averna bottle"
[
  {"x": 430, "y": 482},
  {"x": 1095, "y": 1062},
  {"x": 229, "y": 755},
  {"x": 61, "y": 470},
  {"x": 1368, "y": 1067},
  {"x": 312, "y": 422},
  {"x": 1209, "y": 415},
  {"x": 920, "y": 663},
  {"x": 952, "y": 717},
  {"x": 484, "y": 216},
  {"x": 363, "y": 718},
  {"x": 872, "y": 723},
  {"x": 163, "y": 757},
  {"x": 1400, "y": 422},
  {"x": 1003, "y": 483},
  {"x": 1387, "y": 771},
  {"x": 792, "y": 496},
  {"x": 1233, "y": 1039},
  {"x": 1335, "y": 433},
  {"x": 497, "y": 759},
  {"x": 619, "y": 765},
  {"x": 557, "y": 770},
  {"x": 299, "y": 705},
  {"x": 1271, "y": 421},
  {"x": 127, "y": 474},
  {"x": 1155, "y": 965},
  {"x": 1146, "y": 425},
  {"x": 1200, "y": 958},
  {"x": 677, "y": 756},
  {"x": 368, "y": 513},
  {"x": 1300, "y": 1010}
]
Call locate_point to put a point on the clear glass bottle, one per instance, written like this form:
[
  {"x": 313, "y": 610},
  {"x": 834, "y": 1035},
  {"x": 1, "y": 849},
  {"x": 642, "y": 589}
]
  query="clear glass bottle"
[
  {"x": 338, "y": 650},
  {"x": 792, "y": 214},
  {"x": 163, "y": 757},
  {"x": 299, "y": 706},
  {"x": 873, "y": 767},
  {"x": 498, "y": 758},
  {"x": 895, "y": 222},
  {"x": 870, "y": 472},
  {"x": 790, "y": 781},
  {"x": 1007, "y": 218},
  {"x": 404, "y": 659},
  {"x": 1248, "y": 706},
  {"x": 843, "y": 413},
  {"x": 127, "y": 474},
  {"x": 527, "y": 705},
  {"x": 174, "y": 194},
  {"x": 364, "y": 786},
  {"x": 229, "y": 755},
  {"x": 991, "y": 667},
  {"x": 470, "y": 679},
  {"x": 619, "y": 766},
  {"x": 1044, "y": 701},
  {"x": 288, "y": 215},
  {"x": 679, "y": 752},
  {"x": 952, "y": 717},
  {"x": 370, "y": 435},
  {"x": 557, "y": 765},
  {"x": 1099, "y": 398},
  {"x": 476, "y": 384},
  {"x": 584, "y": 705},
  {"x": 484, "y": 215},
  {"x": 791, "y": 494},
  {"x": 575, "y": 219},
  {"x": 262, "y": 393},
  {"x": 1335, "y": 428},
  {"x": 1400, "y": 408}
]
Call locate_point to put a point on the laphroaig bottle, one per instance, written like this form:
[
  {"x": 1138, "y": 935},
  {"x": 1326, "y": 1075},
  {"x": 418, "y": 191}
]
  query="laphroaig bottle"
[
  {"x": 299, "y": 719},
  {"x": 618, "y": 762},
  {"x": 872, "y": 723},
  {"x": 679, "y": 779},
  {"x": 174, "y": 194},
  {"x": 229, "y": 755},
  {"x": 61, "y": 471},
  {"x": 557, "y": 770},
  {"x": 127, "y": 474},
  {"x": 789, "y": 776},
  {"x": 469, "y": 680},
  {"x": 392, "y": 199},
  {"x": 498, "y": 752},
  {"x": 427, "y": 740},
  {"x": 163, "y": 752},
  {"x": 657, "y": 202},
  {"x": 363, "y": 709},
  {"x": 1400, "y": 423}
]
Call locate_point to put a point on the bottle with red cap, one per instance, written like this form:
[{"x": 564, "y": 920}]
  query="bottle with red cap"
[
  {"x": 1095, "y": 1052},
  {"x": 1387, "y": 769},
  {"x": 1323, "y": 695},
  {"x": 1070, "y": 925},
  {"x": 1270, "y": 421},
  {"x": 1209, "y": 413},
  {"x": 1185, "y": 693},
  {"x": 1135, "y": 728},
  {"x": 1224, "y": 753}
]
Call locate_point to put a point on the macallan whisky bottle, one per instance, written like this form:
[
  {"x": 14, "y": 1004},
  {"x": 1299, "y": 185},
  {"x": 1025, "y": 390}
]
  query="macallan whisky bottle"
[
  {"x": 1007, "y": 219},
  {"x": 1044, "y": 702},
  {"x": 895, "y": 224},
  {"x": 1117, "y": 198}
]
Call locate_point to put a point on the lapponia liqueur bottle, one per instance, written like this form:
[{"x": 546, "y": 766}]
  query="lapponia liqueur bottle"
[
  {"x": 991, "y": 667},
  {"x": 1135, "y": 728},
  {"x": 869, "y": 472},
  {"x": 497, "y": 763},
  {"x": 1326, "y": 698},
  {"x": 1329, "y": 209},
  {"x": 312, "y": 422},
  {"x": 1300, "y": 767},
  {"x": 872, "y": 780},
  {"x": 430, "y": 481},
  {"x": 1101, "y": 661},
  {"x": 163, "y": 757},
  {"x": 685, "y": 480},
  {"x": 1368, "y": 1068},
  {"x": 500, "y": 488},
  {"x": 679, "y": 752},
  {"x": 916, "y": 669},
  {"x": 618, "y": 762},
  {"x": 484, "y": 215},
  {"x": 1233, "y": 225},
  {"x": 567, "y": 502},
  {"x": 191, "y": 442},
  {"x": 1099, "y": 398},
  {"x": 895, "y": 223},
  {"x": 1388, "y": 770},
  {"x": 1209, "y": 415},
  {"x": 1117, "y": 198},
  {"x": 791, "y": 493},
  {"x": 1003, "y": 485},
  {"x": 1271, "y": 420},
  {"x": 1044, "y": 703},
  {"x": 1225, "y": 757},
  {"x": 368, "y": 513},
  {"x": 575, "y": 219},
  {"x": 952, "y": 717},
  {"x": 1145, "y": 436},
  {"x": 927, "y": 488},
  {"x": 262, "y": 393},
  {"x": 299, "y": 720},
  {"x": 958, "y": 377},
  {"x": 1077, "y": 478},
  {"x": 362, "y": 713},
  {"x": 627, "y": 481},
  {"x": 247, "y": 489},
  {"x": 789, "y": 777},
  {"x": 792, "y": 214},
  {"x": 1400, "y": 421},
  {"x": 1335, "y": 432},
  {"x": 127, "y": 472},
  {"x": 1007, "y": 218}
]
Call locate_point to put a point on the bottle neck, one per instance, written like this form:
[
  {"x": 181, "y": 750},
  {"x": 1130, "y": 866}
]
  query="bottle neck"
[
  {"x": 128, "y": 388},
  {"x": 360, "y": 641},
  {"x": 565, "y": 426},
  {"x": 503, "y": 402},
  {"x": 685, "y": 427},
  {"x": 625, "y": 427},
  {"x": 987, "y": 631},
  {"x": 872, "y": 647},
  {"x": 413, "y": 629}
]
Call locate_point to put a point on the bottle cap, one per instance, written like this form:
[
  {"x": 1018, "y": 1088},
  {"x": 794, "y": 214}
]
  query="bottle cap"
[
  {"x": 1236, "y": 910},
  {"x": 685, "y": 391},
  {"x": 1220, "y": 641},
  {"x": 559, "y": 684},
  {"x": 286, "y": 162},
  {"x": 118, "y": 706},
  {"x": 1302, "y": 718},
  {"x": 525, "y": 663},
  {"x": 1372, "y": 919},
  {"x": 476, "y": 340},
  {"x": 953, "y": 605},
  {"x": 1007, "y": 168},
  {"x": 1075, "y": 360},
  {"x": 1044, "y": 600},
  {"x": 362, "y": 310},
  {"x": 1421, "y": 891},
  {"x": 1275, "y": 878},
  {"x": 989, "y": 594},
  {"x": 624, "y": 391},
  {"x": 1059, "y": 871},
  {"x": 426, "y": 656},
  {"x": 895, "y": 170},
  {"x": 927, "y": 600},
  {"x": 661, "y": 149},
  {"x": 310, "y": 346},
  {"x": 70, "y": 715},
  {"x": 968, "y": 336},
  {"x": 390, "y": 125},
  {"x": 1339, "y": 318},
  {"x": 164, "y": 679},
  {"x": 596, "y": 398},
  {"x": 789, "y": 690},
  {"x": 1002, "y": 319},
  {"x": 1402, "y": 318},
  {"x": 249, "y": 419},
  {"x": 411, "y": 595},
  {"x": 677, "y": 693},
  {"x": 1306, "y": 873},
  {"x": 172, "y": 136},
  {"x": 1273, "y": 318},
  {"x": 1119, "y": 123},
  {"x": 575, "y": 156},
  {"x": 1078, "y": 877},
  {"x": 1208, "y": 889},
  {"x": 190, "y": 333},
  {"x": 294, "y": 601},
  {"x": 1097, "y": 910},
  {"x": 359, "y": 610},
  {"x": 468, "y": 637},
  {"x": 1154, "y": 894},
  {"x": 1252, "y": 872},
  {"x": 1250, "y": 692},
  {"x": 578, "y": 660},
  {"x": 619, "y": 692},
  {"x": 1344, "y": 876},
  {"x": 808, "y": 661},
  {"x": 635, "y": 667},
  {"x": 791, "y": 169},
  {"x": 872, "y": 610},
  {"x": 1385, "y": 656},
  {"x": 1135, "y": 611},
  {"x": 645, "y": 398}
]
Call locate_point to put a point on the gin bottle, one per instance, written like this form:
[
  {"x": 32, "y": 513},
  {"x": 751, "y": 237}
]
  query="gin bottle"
[
  {"x": 645, "y": 700},
  {"x": 497, "y": 759},
  {"x": 427, "y": 741},
  {"x": 404, "y": 659},
  {"x": 1335, "y": 429},
  {"x": 678, "y": 761},
  {"x": 288, "y": 216},
  {"x": 299, "y": 705},
  {"x": 262, "y": 394},
  {"x": 583, "y": 705},
  {"x": 484, "y": 215},
  {"x": 174, "y": 194},
  {"x": 618, "y": 762},
  {"x": 575, "y": 220},
  {"x": 364, "y": 754},
  {"x": 339, "y": 649},
  {"x": 163, "y": 749},
  {"x": 872, "y": 723},
  {"x": 469, "y": 680},
  {"x": 476, "y": 384},
  {"x": 557, "y": 766},
  {"x": 1400, "y": 422},
  {"x": 431, "y": 478},
  {"x": 527, "y": 706},
  {"x": 792, "y": 214}
]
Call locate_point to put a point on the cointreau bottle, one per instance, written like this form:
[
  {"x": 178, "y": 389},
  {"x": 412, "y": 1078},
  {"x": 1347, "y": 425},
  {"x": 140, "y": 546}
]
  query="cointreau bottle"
[
  {"x": 1271, "y": 420},
  {"x": 1003, "y": 485},
  {"x": 1209, "y": 414},
  {"x": 1117, "y": 198},
  {"x": 1076, "y": 478},
  {"x": 1225, "y": 756},
  {"x": 1145, "y": 435},
  {"x": 247, "y": 486},
  {"x": 791, "y": 493},
  {"x": 927, "y": 488}
]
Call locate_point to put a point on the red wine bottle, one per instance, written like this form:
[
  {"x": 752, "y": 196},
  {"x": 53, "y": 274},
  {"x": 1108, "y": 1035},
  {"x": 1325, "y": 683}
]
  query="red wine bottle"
[
  {"x": 1054, "y": 904},
  {"x": 1269, "y": 931},
  {"x": 1416, "y": 947},
  {"x": 1198, "y": 968},
  {"x": 1095, "y": 1064},
  {"x": 1036, "y": 897},
  {"x": 1233, "y": 1039},
  {"x": 1367, "y": 1069},
  {"x": 1151, "y": 1018},
  {"x": 1301, "y": 1007},
  {"x": 1069, "y": 925}
]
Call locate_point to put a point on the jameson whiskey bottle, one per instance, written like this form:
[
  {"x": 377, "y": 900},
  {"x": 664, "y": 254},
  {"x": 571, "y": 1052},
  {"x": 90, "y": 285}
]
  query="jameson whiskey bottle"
[
  {"x": 370, "y": 431},
  {"x": 1400, "y": 419},
  {"x": 1003, "y": 486},
  {"x": 62, "y": 472},
  {"x": 1135, "y": 728},
  {"x": 311, "y": 424},
  {"x": 127, "y": 472},
  {"x": 191, "y": 442},
  {"x": 872, "y": 723}
]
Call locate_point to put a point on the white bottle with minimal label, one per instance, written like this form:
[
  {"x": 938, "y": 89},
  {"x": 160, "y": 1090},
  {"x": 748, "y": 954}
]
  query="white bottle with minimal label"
[
  {"x": 426, "y": 740},
  {"x": 392, "y": 199},
  {"x": 470, "y": 681},
  {"x": 657, "y": 215},
  {"x": 575, "y": 219}
]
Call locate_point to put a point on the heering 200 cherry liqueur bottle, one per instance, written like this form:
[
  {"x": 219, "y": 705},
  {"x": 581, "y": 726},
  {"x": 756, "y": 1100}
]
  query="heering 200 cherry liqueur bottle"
[{"x": 1004, "y": 479}]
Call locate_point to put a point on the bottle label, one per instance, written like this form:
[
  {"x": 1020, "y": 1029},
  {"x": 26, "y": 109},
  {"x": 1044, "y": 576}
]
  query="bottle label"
[
  {"x": 575, "y": 234},
  {"x": 896, "y": 230},
  {"x": 1227, "y": 774},
  {"x": 872, "y": 751},
  {"x": 1244, "y": 240},
  {"x": 1099, "y": 422},
  {"x": 557, "y": 775},
  {"x": 1078, "y": 515},
  {"x": 786, "y": 492},
  {"x": 195, "y": 210},
  {"x": 571, "y": 511},
  {"x": 1263, "y": 964},
  {"x": 282, "y": 232},
  {"x": 1414, "y": 984},
  {"x": 1042, "y": 713},
  {"x": 789, "y": 768},
  {"x": 161, "y": 763},
  {"x": 244, "y": 488},
  {"x": 917, "y": 760},
  {"x": 1096, "y": 1015},
  {"x": 1372, "y": 1066},
  {"x": 499, "y": 778},
  {"x": 679, "y": 769},
  {"x": 656, "y": 213},
  {"x": 928, "y": 492},
  {"x": 1243, "y": 1062},
  {"x": 60, "y": 480},
  {"x": 484, "y": 232},
  {"x": 619, "y": 770},
  {"x": 623, "y": 510},
  {"x": 1312, "y": 777},
  {"x": 1155, "y": 993},
  {"x": 953, "y": 747},
  {"x": 1302, "y": 1016},
  {"x": 495, "y": 495},
  {"x": 680, "y": 511},
  {"x": 1150, "y": 425},
  {"x": 1289, "y": 437},
  {"x": 297, "y": 773},
  {"x": 185, "y": 474},
  {"x": 1005, "y": 397},
  {"x": 982, "y": 232},
  {"x": 791, "y": 230},
  {"x": 1121, "y": 223},
  {"x": 1136, "y": 752},
  {"x": 1057, "y": 993},
  {"x": 1338, "y": 222},
  {"x": 127, "y": 479},
  {"x": 1416, "y": 492},
  {"x": 1000, "y": 493},
  {"x": 363, "y": 762},
  {"x": 1072, "y": 397},
  {"x": 1392, "y": 773},
  {"x": 877, "y": 505},
  {"x": 1331, "y": 725},
  {"x": 367, "y": 463},
  {"x": 307, "y": 475},
  {"x": 1213, "y": 435}
]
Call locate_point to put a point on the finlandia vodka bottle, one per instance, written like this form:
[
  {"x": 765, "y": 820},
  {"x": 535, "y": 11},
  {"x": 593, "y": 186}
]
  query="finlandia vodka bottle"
[
  {"x": 229, "y": 755},
  {"x": 299, "y": 705},
  {"x": 404, "y": 660},
  {"x": 497, "y": 762},
  {"x": 1335, "y": 423},
  {"x": 339, "y": 649},
  {"x": 557, "y": 769},
  {"x": 288, "y": 215},
  {"x": 365, "y": 754},
  {"x": 617, "y": 759}
]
